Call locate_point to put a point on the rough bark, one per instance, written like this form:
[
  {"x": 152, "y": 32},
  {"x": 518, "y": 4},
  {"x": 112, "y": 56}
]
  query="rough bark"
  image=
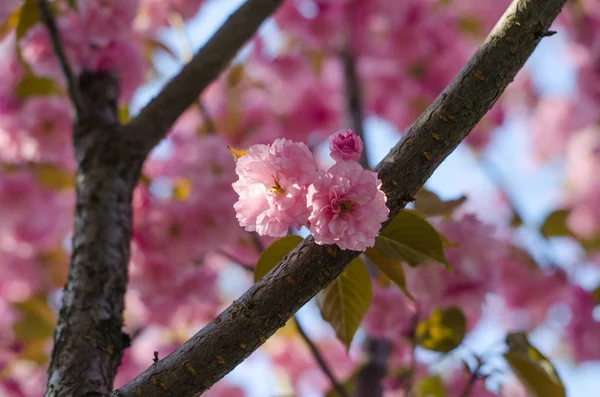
[
  {"x": 267, "y": 305},
  {"x": 88, "y": 339}
]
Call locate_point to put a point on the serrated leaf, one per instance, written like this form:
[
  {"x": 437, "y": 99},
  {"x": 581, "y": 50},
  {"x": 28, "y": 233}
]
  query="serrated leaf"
[
  {"x": 391, "y": 267},
  {"x": 237, "y": 153},
  {"x": 411, "y": 239},
  {"x": 53, "y": 177},
  {"x": 36, "y": 320},
  {"x": 31, "y": 85},
  {"x": 443, "y": 331},
  {"x": 556, "y": 224},
  {"x": 430, "y": 204},
  {"x": 432, "y": 386},
  {"x": 235, "y": 75},
  {"x": 28, "y": 17},
  {"x": 533, "y": 369},
  {"x": 345, "y": 301},
  {"x": 274, "y": 253}
]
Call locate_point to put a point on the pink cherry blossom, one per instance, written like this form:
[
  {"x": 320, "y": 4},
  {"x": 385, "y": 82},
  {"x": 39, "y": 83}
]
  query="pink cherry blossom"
[
  {"x": 390, "y": 315},
  {"x": 272, "y": 187},
  {"x": 583, "y": 330},
  {"x": 105, "y": 20},
  {"x": 348, "y": 207},
  {"x": 46, "y": 129},
  {"x": 472, "y": 276},
  {"x": 345, "y": 145}
]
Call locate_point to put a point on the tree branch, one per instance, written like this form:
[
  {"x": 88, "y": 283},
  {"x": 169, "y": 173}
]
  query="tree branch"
[
  {"x": 154, "y": 120},
  {"x": 267, "y": 305},
  {"x": 74, "y": 94},
  {"x": 320, "y": 360},
  {"x": 354, "y": 100},
  {"x": 88, "y": 341}
]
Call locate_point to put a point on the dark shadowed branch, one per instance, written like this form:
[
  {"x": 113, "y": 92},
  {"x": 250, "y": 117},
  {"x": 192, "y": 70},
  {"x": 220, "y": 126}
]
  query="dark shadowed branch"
[
  {"x": 320, "y": 360},
  {"x": 48, "y": 18},
  {"x": 241, "y": 328},
  {"x": 154, "y": 120},
  {"x": 354, "y": 100}
]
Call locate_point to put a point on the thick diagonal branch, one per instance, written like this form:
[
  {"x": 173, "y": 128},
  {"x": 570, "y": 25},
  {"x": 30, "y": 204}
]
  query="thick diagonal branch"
[
  {"x": 154, "y": 120},
  {"x": 267, "y": 305}
]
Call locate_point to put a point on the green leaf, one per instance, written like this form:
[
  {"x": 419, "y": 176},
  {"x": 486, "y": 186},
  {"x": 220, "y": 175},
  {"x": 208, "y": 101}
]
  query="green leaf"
[
  {"x": 28, "y": 18},
  {"x": 345, "y": 301},
  {"x": 36, "y": 320},
  {"x": 432, "y": 386},
  {"x": 72, "y": 4},
  {"x": 533, "y": 369},
  {"x": 443, "y": 331},
  {"x": 391, "y": 267},
  {"x": 430, "y": 204},
  {"x": 274, "y": 253},
  {"x": 411, "y": 239},
  {"x": 236, "y": 72},
  {"x": 32, "y": 85},
  {"x": 53, "y": 177},
  {"x": 556, "y": 224},
  {"x": 123, "y": 114},
  {"x": 596, "y": 295}
]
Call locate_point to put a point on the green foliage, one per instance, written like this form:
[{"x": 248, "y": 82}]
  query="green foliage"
[
  {"x": 28, "y": 17},
  {"x": 390, "y": 267},
  {"x": 345, "y": 301},
  {"x": 430, "y": 204},
  {"x": 432, "y": 386},
  {"x": 274, "y": 253},
  {"x": 32, "y": 85},
  {"x": 236, "y": 73},
  {"x": 555, "y": 224},
  {"x": 443, "y": 331},
  {"x": 36, "y": 320},
  {"x": 53, "y": 177},
  {"x": 411, "y": 239},
  {"x": 532, "y": 368}
]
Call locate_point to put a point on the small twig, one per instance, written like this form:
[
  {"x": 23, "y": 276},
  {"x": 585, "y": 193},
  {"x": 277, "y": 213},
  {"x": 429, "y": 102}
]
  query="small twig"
[
  {"x": 48, "y": 18},
  {"x": 474, "y": 377},
  {"x": 354, "y": 100},
  {"x": 413, "y": 355},
  {"x": 320, "y": 360}
]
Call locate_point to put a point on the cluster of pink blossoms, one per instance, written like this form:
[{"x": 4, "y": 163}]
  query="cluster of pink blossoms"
[{"x": 280, "y": 187}]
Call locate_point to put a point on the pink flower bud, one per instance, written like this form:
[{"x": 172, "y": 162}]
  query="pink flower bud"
[{"x": 345, "y": 146}]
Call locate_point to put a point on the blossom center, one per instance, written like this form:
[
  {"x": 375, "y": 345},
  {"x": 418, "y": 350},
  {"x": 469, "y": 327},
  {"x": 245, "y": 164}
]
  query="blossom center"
[
  {"x": 345, "y": 206},
  {"x": 276, "y": 188}
]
